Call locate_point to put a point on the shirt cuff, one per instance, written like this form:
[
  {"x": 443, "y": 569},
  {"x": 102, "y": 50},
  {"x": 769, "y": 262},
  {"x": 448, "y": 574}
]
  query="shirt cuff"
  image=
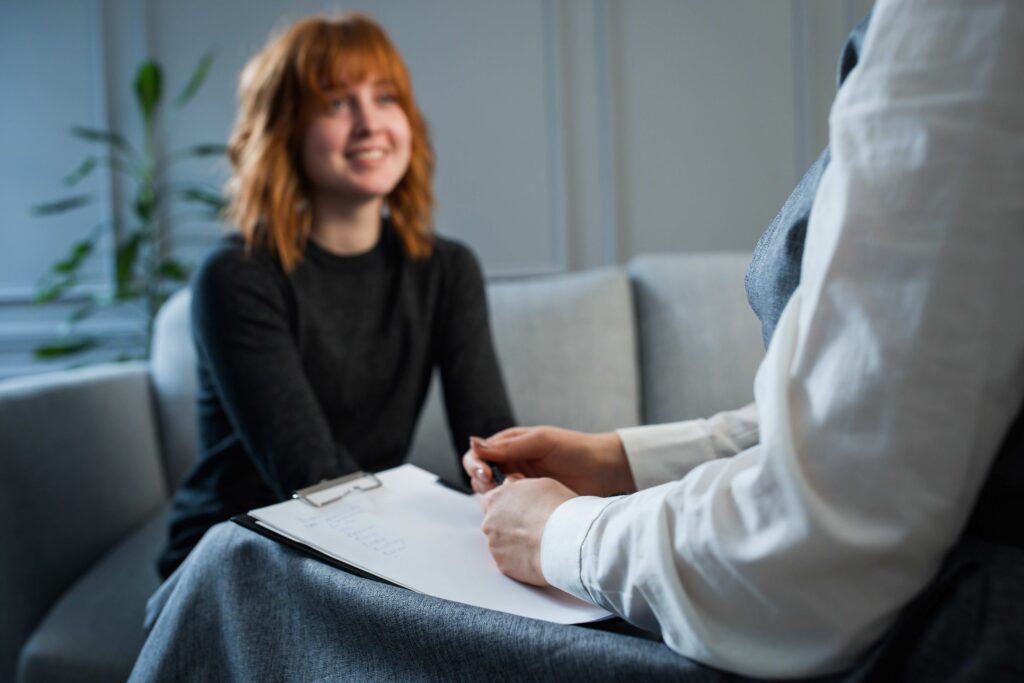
[
  {"x": 667, "y": 452},
  {"x": 562, "y": 543}
]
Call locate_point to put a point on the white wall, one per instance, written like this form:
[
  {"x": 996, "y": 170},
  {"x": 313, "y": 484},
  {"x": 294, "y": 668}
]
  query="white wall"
[{"x": 569, "y": 133}]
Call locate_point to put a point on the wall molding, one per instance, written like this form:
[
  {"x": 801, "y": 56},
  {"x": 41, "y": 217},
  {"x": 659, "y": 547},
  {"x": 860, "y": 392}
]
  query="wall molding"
[
  {"x": 24, "y": 337},
  {"x": 606, "y": 135},
  {"x": 851, "y": 13},
  {"x": 109, "y": 189},
  {"x": 25, "y": 295},
  {"x": 801, "y": 88},
  {"x": 554, "y": 93}
]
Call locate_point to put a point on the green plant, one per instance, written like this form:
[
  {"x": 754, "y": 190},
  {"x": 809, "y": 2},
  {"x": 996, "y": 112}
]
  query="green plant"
[{"x": 145, "y": 274}]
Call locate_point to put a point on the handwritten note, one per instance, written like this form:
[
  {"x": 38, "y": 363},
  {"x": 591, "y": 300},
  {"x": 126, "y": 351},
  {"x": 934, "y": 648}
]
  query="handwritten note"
[
  {"x": 421, "y": 535},
  {"x": 353, "y": 522}
]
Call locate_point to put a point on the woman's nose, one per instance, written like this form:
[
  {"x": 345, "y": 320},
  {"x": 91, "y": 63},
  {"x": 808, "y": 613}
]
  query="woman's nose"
[{"x": 367, "y": 118}]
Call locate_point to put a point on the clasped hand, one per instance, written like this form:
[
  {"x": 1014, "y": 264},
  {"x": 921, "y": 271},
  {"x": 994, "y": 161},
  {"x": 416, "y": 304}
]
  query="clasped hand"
[{"x": 544, "y": 467}]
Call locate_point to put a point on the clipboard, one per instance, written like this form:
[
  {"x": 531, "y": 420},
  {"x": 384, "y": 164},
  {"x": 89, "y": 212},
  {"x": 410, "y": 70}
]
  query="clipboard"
[
  {"x": 332, "y": 490},
  {"x": 252, "y": 524},
  {"x": 406, "y": 529},
  {"x": 321, "y": 495}
]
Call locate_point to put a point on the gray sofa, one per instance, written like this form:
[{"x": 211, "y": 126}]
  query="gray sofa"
[{"x": 90, "y": 456}]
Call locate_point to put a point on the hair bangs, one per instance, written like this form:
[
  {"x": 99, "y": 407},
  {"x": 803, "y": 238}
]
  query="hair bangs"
[{"x": 353, "y": 50}]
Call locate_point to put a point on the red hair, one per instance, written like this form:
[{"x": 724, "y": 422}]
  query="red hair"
[{"x": 279, "y": 92}]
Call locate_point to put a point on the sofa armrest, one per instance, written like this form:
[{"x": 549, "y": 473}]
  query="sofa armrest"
[{"x": 80, "y": 469}]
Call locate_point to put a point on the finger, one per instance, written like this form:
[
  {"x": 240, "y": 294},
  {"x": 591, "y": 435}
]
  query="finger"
[
  {"x": 506, "y": 433},
  {"x": 477, "y": 461},
  {"x": 528, "y": 445},
  {"x": 482, "y": 486},
  {"x": 514, "y": 476},
  {"x": 475, "y": 467}
]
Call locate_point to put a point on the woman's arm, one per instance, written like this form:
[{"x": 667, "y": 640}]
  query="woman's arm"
[
  {"x": 475, "y": 398},
  {"x": 242, "y": 327}
]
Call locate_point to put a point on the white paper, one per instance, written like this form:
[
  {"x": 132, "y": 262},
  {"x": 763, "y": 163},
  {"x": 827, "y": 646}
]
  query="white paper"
[{"x": 419, "y": 534}]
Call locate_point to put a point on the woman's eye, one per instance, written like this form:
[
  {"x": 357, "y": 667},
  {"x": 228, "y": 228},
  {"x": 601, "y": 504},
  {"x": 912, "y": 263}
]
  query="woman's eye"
[
  {"x": 338, "y": 103},
  {"x": 387, "y": 98}
]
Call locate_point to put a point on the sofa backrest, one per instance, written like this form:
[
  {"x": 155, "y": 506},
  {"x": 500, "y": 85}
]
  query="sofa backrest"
[
  {"x": 568, "y": 355},
  {"x": 700, "y": 343}
]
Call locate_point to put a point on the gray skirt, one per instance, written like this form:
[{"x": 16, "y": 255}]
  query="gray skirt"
[{"x": 244, "y": 608}]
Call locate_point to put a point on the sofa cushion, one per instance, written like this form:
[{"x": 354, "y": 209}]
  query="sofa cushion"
[
  {"x": 700, "y": 344},
  {"x": 173, "y": 374},
  {"x": 568, "y": 354},
  {"x": 94, "y": 632}
]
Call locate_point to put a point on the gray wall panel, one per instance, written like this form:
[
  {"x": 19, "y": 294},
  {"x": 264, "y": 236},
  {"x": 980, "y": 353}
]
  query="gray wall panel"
[
  {"x": 703, "y": 109},
  {"x": 569, "y": 133},
  {"x": 50, "y": 73}
]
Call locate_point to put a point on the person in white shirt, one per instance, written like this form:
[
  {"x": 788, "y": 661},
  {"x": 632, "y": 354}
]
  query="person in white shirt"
[
  {"x": 834, "y": 527},
  {"x": 785, "y": 538}
]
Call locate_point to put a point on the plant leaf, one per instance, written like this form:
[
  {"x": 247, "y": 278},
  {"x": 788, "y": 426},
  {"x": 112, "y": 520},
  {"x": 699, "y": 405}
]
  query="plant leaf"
[
  {"x": 173, "y": 269},
  {"x": 209, "y": 198},
  {"x": 61, "y": 205},
  {"x": 213, "y": 149},
  {"x": 81, "y": 313},
  {"x": 50, "y": 289},
  {"x": 127, "y": 255},
  {"x": 145, "y": 202},
  {"x": 96, "y": 135},
  {"x": 63, "y": 348},
  {"x": 148, "y": 87},
  {"x": 76, "y": 316},
  {"x": 79, "y": 251},
  {"x": 195, "y": 81},
  {"x": 87, "y": 166}
]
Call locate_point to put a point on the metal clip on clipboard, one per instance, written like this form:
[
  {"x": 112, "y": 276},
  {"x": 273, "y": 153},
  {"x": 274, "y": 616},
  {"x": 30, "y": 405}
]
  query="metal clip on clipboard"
[{"x": 308, "y": 494}]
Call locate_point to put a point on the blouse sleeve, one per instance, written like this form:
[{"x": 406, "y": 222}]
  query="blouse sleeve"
[
  {"x": 243, "y": 335},
  {"x": 667, "y": 452},
  {"x": 475, "y": 398}
]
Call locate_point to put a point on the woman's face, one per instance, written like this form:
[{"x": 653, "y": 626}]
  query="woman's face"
[{"x": 359, "y": 148}]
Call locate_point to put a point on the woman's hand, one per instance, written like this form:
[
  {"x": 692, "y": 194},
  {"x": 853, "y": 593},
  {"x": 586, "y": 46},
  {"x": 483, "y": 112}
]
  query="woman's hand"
[
  {"x": 590, "y": 464},
  {"x": 514, "y": 518}
]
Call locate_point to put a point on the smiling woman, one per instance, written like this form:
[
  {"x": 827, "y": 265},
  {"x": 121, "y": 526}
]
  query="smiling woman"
[{"x": 319, "y": 322}]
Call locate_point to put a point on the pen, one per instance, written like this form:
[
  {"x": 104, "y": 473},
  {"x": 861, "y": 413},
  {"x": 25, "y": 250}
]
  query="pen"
[{"x": 496, "y": 474}]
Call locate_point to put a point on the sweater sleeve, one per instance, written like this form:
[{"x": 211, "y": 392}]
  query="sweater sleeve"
[
  {"x": 475, "y": 398},
  {"x": 241, "y": 322}
]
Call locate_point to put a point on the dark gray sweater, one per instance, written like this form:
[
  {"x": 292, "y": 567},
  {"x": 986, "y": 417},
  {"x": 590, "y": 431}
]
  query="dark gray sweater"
[{"x": 324, "y": 372}]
